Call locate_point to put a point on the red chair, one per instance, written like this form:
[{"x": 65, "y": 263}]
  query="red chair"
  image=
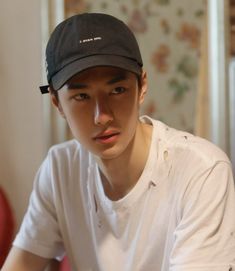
[
  {"x": 64, "y": 265},
  {"x": 7, "y": 227}
]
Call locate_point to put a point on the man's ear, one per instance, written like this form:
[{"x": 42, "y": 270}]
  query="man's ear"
[
  {"x": 143, "y": 87},
  {"x": 55, "y": 101}
]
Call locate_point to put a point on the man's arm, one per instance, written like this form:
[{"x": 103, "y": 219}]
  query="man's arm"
[{"x": 21, "y": 260}]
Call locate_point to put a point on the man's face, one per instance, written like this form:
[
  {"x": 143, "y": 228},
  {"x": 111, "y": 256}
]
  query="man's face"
[{"x": 101, "y": 106}]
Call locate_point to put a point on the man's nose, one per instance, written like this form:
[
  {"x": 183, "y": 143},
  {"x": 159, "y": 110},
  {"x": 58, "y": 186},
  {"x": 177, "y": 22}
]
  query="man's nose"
[{"x": 103, "y": 112}]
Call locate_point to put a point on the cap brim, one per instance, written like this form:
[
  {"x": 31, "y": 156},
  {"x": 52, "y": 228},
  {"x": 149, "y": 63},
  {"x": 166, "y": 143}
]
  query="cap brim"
[{"x": 61, "y": 77}]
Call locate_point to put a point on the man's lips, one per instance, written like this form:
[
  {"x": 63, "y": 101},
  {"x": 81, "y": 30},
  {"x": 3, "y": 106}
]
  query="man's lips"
[{"x": 107, "y": 136}]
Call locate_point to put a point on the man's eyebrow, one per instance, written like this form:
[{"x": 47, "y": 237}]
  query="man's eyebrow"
[
  {"x": 76, "y": 85},
  {"x": 117, "y": 79}
]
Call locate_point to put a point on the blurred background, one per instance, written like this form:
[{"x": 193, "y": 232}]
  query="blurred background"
[{"x": 188, "y": 54}]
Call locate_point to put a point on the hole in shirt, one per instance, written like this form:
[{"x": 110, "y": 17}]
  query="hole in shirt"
[
  {"x": 169, "y": 171},
  {"x": 151, "y": 184},
  {"x": 96, "y": 205}
]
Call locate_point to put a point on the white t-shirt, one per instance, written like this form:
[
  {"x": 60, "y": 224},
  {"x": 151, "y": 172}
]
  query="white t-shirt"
[{"x": 180, "y": 216}]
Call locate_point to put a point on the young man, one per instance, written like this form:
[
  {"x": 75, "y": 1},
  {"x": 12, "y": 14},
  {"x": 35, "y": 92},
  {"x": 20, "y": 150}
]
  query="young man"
[{"x": 127, "y": 193}]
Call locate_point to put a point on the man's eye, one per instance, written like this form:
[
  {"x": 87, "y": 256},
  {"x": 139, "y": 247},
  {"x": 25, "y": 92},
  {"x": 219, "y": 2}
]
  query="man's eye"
[
  {"x": 80, "y": 97},
  {"x": 118, "y": 90}
]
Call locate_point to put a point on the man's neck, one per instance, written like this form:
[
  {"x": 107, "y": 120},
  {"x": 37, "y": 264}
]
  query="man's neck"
[{"x": 121, "y": 174}]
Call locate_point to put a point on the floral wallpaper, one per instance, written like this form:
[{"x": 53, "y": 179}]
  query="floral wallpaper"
[{"x": 168, "y": 32}]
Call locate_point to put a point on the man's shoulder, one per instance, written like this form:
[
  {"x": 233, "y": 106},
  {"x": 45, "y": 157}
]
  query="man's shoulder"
[
  {"x": 68, "y": 150},
  {"x": 66, "y": 145},
  {"x": 189, "y": 145}
]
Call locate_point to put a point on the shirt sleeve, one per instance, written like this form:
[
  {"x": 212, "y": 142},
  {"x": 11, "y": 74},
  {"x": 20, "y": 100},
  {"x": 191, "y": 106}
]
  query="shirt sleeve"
[
  {"x": 205, "y": 235},
  {"x": 39, "y": 232}
]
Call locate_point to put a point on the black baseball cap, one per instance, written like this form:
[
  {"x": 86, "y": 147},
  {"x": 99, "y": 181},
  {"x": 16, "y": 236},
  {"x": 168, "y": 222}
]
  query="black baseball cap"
[{"x": 89, "y": 40}]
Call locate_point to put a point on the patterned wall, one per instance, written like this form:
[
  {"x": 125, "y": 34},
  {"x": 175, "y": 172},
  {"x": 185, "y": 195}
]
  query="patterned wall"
[{"x": 168, "y": 32}]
